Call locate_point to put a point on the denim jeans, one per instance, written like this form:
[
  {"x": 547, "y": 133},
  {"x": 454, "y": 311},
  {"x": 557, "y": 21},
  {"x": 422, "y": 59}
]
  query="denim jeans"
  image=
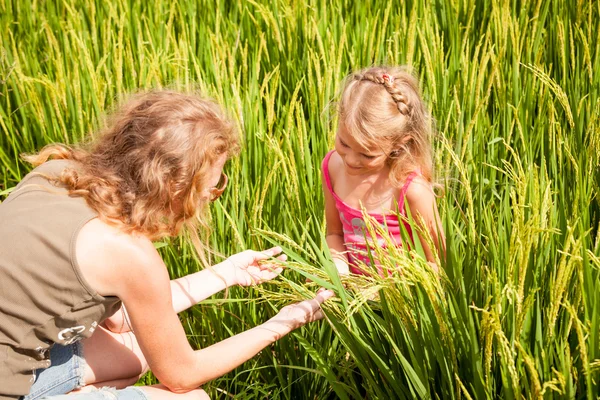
[{"x": 66, "y": 374}]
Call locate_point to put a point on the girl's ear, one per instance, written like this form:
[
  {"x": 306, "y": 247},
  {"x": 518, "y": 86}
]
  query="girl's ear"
[{"x": 402, "y": 146}]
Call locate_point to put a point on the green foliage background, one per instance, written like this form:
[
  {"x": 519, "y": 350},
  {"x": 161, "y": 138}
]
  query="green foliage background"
[{"x": 514, "y": 88}]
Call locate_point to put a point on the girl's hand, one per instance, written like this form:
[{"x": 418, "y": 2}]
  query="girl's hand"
[
  {"x": 245, "y": 268},
  {"x": 299, "y": 314},
  {"x": 342, "y": 266}
]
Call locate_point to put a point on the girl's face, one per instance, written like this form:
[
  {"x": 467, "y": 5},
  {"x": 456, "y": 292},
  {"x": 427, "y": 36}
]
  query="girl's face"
[{"x": 358, "y": 160}]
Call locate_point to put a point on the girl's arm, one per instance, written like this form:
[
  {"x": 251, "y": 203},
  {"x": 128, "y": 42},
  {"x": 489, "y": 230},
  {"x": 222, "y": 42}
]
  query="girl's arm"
[
  {"x": 335, "y": 232},
  {"x": 421, "y": 200}
]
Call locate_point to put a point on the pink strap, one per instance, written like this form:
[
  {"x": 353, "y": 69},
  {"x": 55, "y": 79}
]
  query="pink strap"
[
  {"x": 409, "y": 179},
  {"x": 325, "y": 168}
]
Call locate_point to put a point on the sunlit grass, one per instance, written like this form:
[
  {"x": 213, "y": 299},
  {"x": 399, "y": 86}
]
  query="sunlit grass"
[{"x": 514, "y": 89}]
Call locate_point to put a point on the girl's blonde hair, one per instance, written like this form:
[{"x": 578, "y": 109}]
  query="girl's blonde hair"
[
  {"x": 146, "y": 171},
  {"x": 382, "y": 106}
]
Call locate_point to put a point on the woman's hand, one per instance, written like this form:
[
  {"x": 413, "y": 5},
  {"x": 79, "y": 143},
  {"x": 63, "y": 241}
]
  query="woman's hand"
[
  {"x": 296, "y": 315},
  {"x": 248, "y": 268}
]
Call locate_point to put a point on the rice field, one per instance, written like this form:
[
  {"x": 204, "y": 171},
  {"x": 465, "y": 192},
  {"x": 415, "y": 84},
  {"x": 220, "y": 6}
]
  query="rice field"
[{"x": 514, "y": 90}]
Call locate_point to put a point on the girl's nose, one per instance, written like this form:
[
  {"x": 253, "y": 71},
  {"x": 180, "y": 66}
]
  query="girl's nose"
[{"x": 352, "y": 159}]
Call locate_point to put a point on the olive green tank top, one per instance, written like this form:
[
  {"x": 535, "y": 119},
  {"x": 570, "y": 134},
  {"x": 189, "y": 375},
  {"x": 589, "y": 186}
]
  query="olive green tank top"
[{"x": 44, "y": 299}]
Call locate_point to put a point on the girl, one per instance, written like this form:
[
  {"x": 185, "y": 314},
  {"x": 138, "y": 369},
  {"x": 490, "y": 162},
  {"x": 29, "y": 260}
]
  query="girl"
[
  {"x": 86, "y": 299},
  {"x": 382, "y": 157}
]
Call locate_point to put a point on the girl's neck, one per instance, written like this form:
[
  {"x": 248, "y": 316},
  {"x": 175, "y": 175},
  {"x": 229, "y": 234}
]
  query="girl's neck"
[
  {"x": 379, "y": 177},
  {"x": 373, "y": 189}
]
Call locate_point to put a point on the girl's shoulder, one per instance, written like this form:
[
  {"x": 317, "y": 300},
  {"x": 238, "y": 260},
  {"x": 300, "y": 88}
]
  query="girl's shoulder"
[
  {"x": 332, "y": 165},
  {"x": 419, "y": 189}
]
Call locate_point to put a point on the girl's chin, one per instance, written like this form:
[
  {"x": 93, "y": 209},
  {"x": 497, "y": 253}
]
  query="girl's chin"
[
  {"x": 354, "y": 171},
  {"x": 361, "y": 171}
]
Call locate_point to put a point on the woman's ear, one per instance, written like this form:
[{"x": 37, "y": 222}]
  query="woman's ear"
[{"x": 406, "y": 140}]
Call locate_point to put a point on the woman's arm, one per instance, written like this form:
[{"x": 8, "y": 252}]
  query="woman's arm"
[
  {"x": 226, "y": 355},
  {"x": 242, "y": 269},
  {"x": 163, "y": 340},
  {"x": 129, "y": 267}
]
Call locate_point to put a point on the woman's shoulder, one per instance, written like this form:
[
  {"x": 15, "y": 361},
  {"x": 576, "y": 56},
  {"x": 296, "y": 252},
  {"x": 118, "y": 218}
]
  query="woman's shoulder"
[
  {"x": 128, "y": 246},
  {"x": 48, "y": 169},
  {"x": 107, "y": 257},
  {"x": 54, "y": 167}
]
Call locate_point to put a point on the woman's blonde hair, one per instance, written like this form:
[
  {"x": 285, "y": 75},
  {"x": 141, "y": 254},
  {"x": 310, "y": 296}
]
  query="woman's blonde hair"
[
  {"x": 382, "y": 106},
  {"x": 146, "y": 171}
]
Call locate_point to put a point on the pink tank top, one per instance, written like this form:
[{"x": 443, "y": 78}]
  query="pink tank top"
[{"x": 354, "y": 225}]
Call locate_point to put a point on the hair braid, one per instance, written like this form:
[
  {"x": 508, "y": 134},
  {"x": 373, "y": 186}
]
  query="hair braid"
[
  {"x": 388, "y": 83},
  {"x": 395, "y": 119}
]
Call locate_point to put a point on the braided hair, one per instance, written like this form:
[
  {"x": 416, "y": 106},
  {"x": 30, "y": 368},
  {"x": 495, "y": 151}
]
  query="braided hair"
[
  {"x": 388, "y": 83},
  {"x": 383, "y": 106}
]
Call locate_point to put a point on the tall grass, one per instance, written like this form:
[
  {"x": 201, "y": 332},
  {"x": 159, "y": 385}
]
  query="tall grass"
[{"x": 514, "y": 88}]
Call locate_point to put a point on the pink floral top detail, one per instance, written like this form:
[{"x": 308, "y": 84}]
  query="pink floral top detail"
[{"x": 353, "y": 222}]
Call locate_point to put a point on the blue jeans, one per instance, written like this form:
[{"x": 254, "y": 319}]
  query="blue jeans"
[{"x": 66, "y": 374}]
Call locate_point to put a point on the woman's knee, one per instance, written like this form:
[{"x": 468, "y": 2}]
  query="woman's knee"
[
  {"x": 197, "y": 394},
  {"x": 160, "y": 392},
  {"x": 112, "y": 356}
]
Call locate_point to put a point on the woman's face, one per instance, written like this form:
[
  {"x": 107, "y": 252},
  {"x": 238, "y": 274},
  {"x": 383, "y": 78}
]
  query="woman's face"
[
  {"x": 214, "y": 178},
  {"x": 358, "y": 160}
]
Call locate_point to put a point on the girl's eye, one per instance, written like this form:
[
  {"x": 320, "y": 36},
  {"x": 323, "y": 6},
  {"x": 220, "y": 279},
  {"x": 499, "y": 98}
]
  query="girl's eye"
[
  {"x": 343, "y": 144},
  {"x": 368, "y": 157}
]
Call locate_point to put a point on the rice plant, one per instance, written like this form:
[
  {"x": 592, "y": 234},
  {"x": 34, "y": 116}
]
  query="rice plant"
[{"x": 514, "y": 89}]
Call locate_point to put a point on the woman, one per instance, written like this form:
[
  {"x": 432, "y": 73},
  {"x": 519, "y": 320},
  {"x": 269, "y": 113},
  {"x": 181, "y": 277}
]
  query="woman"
[{"x": 77, "y": 259}]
